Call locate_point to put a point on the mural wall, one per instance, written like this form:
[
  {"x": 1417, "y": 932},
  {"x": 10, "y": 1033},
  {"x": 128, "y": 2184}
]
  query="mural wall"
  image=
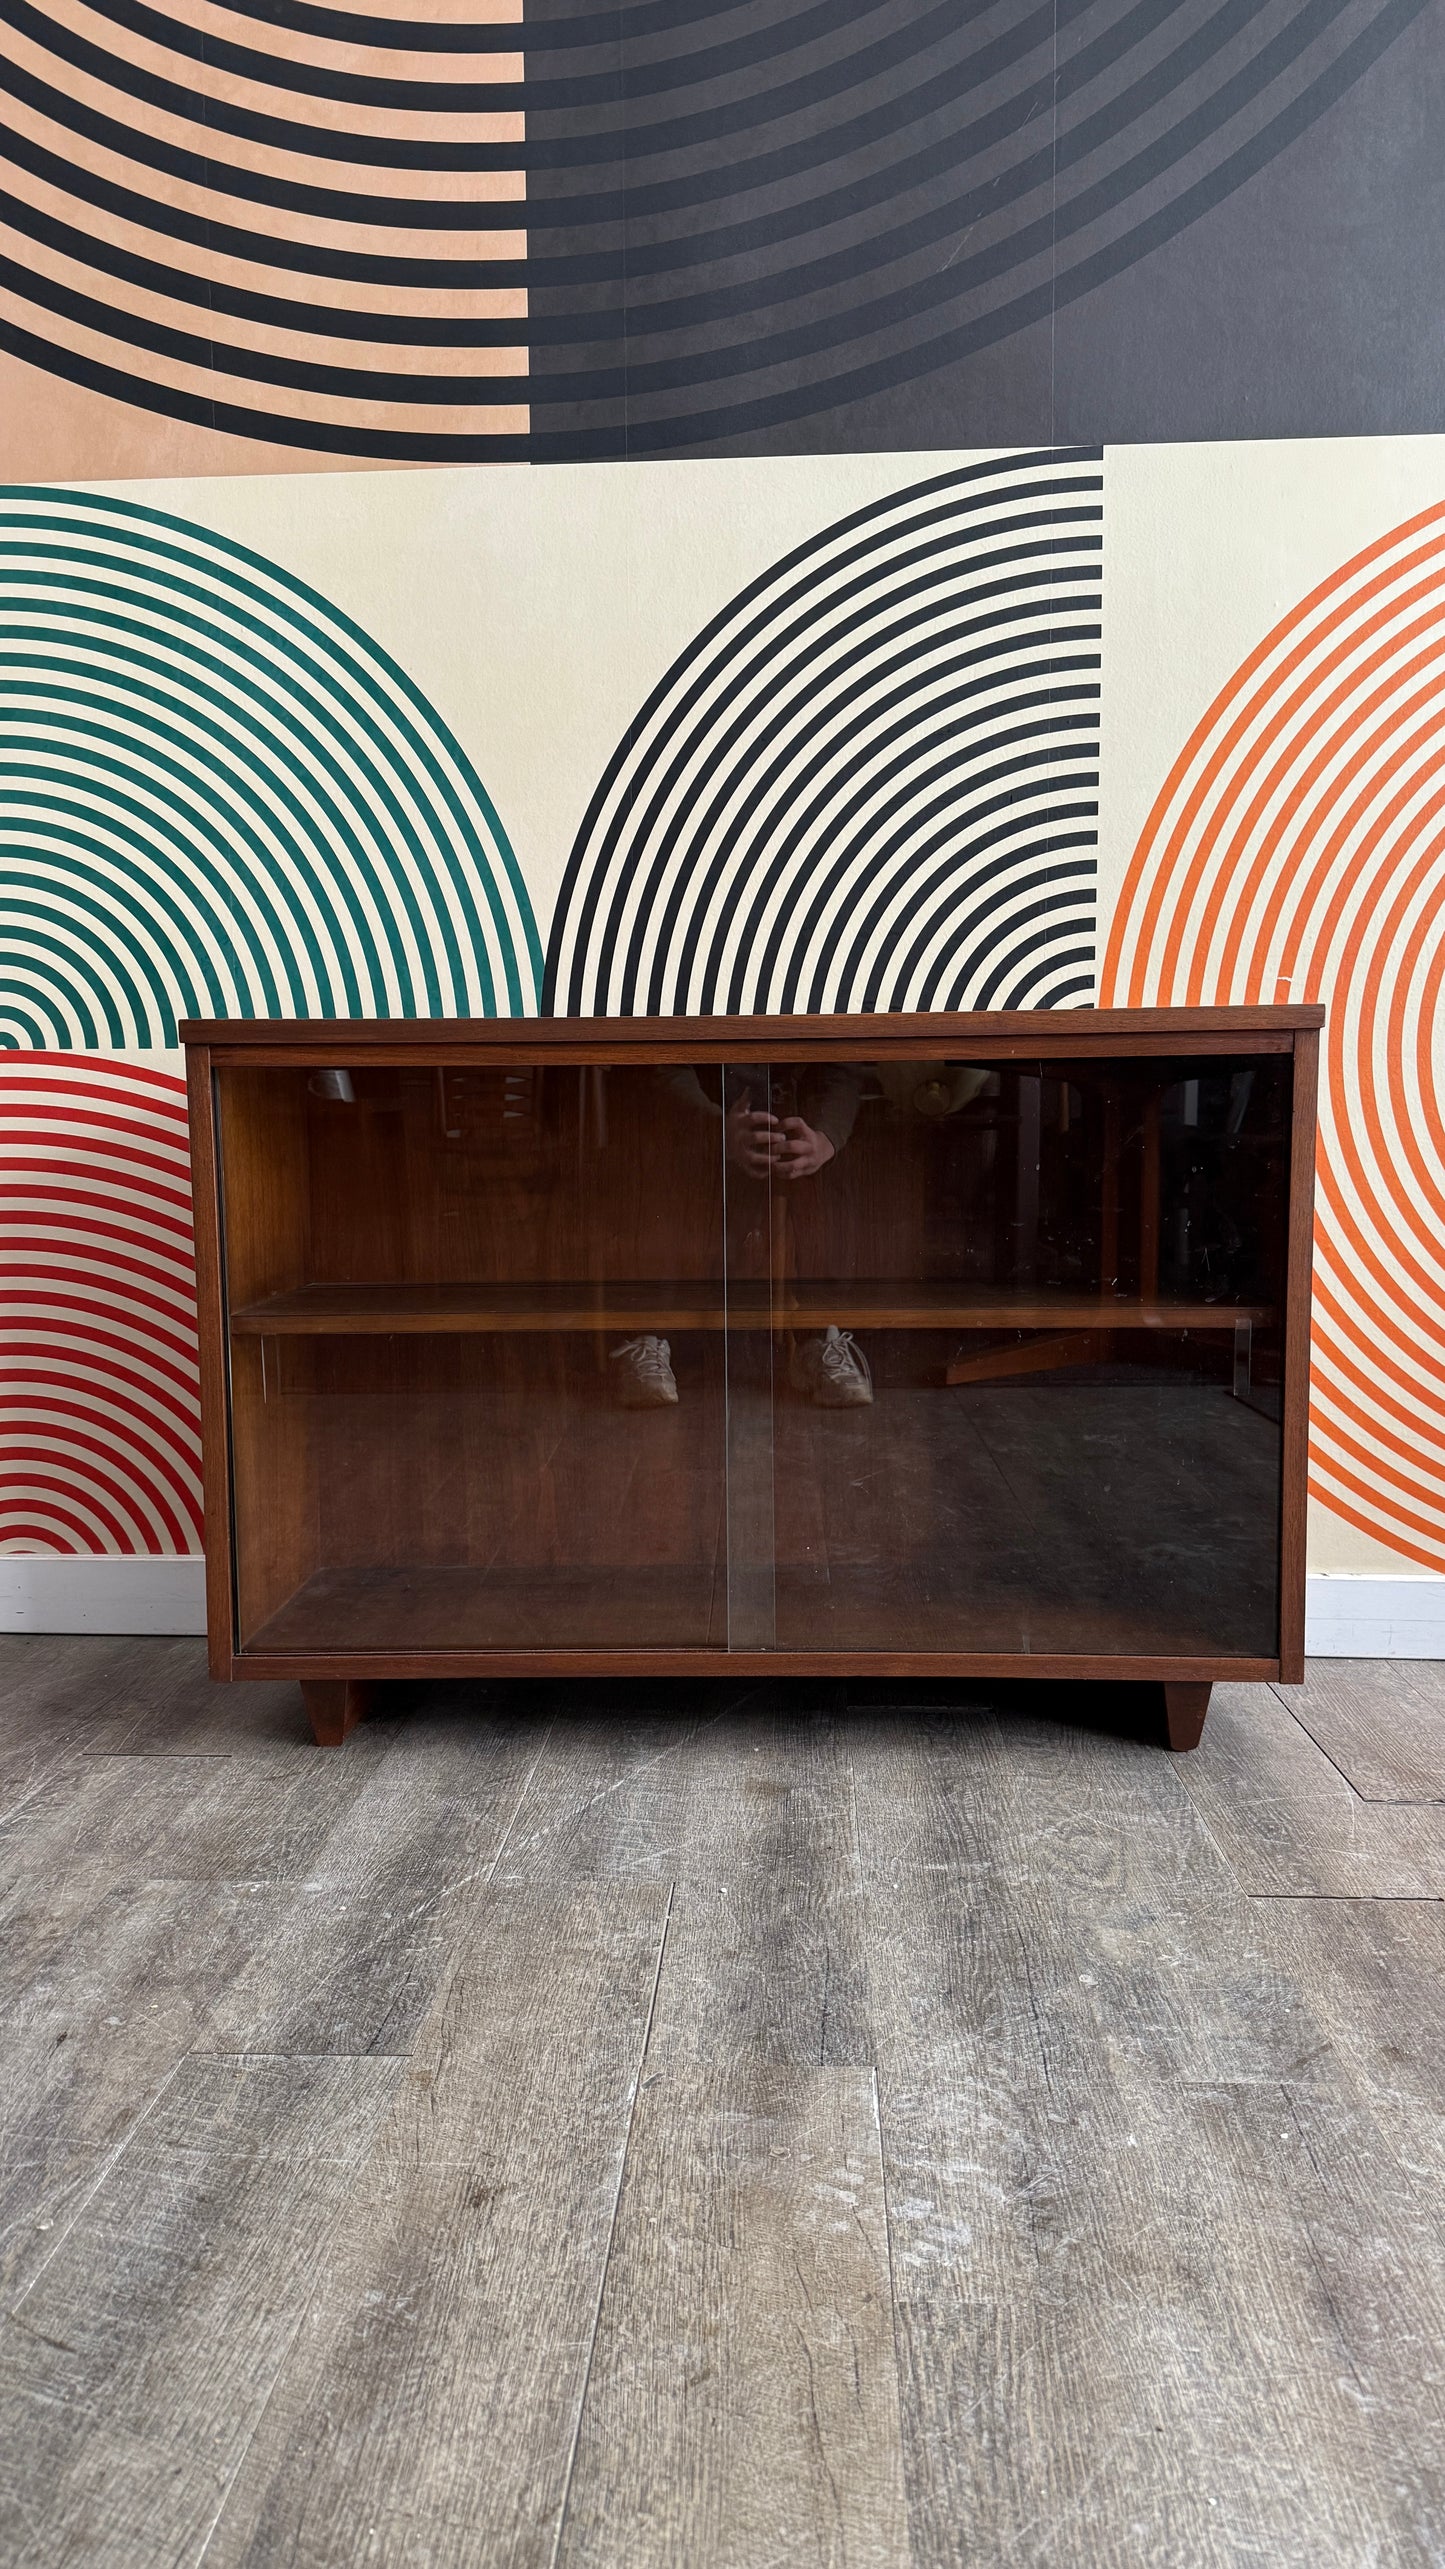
[{"x": 764, "y": 506}]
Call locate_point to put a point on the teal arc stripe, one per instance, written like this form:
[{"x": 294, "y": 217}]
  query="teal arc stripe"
[
  {"x": 325, "y": 621},
  {"x": 29, "y": 987},
  {"x": 170, "y": 690},
  {"x": 109, "y": 930},
  {"x": 231, "y": 785},
  {"x": 90, "y": 884},
  {"x": 342, "y": 752},
  {"x": 340, "y": 622},
  {"x": 149, "y": 839}
]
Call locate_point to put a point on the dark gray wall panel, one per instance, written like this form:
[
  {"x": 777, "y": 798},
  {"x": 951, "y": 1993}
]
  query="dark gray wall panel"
[{"x": 783, "y": 228}]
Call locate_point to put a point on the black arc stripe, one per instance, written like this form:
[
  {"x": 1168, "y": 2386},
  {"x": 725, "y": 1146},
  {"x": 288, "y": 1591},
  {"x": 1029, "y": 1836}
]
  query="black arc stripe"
[
  {"x": 644, "y": 22},
  {"x": 734, "y": 660},
  {"x": 971, "y": 930},
  {"x": 759, "y": 845},
  {"x": 806, "y": 806}
]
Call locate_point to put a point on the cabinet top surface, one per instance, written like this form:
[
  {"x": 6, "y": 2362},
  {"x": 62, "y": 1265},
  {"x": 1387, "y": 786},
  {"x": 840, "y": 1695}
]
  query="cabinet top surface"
[{"x": 1038, "y": 1030}]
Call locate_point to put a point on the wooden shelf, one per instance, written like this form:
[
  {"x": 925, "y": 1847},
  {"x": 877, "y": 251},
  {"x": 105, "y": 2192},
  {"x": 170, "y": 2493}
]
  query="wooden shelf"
[{"x": 417, "y": 1310}]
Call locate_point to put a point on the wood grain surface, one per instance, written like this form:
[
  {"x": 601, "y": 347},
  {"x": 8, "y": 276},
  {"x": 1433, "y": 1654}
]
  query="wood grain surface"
[
  {"x": 599, "y": 2125},
  {"x": 1289, "y": 1821},
  {"x": 430, "y": 2409},
  {"x": 855, "y": 1302},
  {"x": 746, "y": 1038},
  {"x": 424, "y": 1458},
  {"x": 137, "y": 2366},
  {"x": 743, "y": 2404}
]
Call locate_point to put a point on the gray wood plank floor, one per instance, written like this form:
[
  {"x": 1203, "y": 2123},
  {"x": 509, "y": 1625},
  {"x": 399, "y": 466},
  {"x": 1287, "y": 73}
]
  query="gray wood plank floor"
[{"x": 719, "y": 2126}]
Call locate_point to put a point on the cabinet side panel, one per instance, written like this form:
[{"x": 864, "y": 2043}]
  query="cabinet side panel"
[
  {"x": 265, "y": 1234},
  {"x": 1295, "y": 1457},
  {"x": 265, "y": 1181}
]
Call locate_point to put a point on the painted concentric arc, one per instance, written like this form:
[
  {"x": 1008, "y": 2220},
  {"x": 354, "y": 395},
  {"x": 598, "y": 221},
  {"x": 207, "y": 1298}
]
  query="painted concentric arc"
[
  {"x": 872, "y": 781},
  {"x": 219, "y": 797},
  {"x": 302, "y": 230},
  {"x": 99, "y": 1407},
  {"x": 1298, "y": 851},
  {"x": 753, "y": 217},
  {"x": 542, "y": 230}
]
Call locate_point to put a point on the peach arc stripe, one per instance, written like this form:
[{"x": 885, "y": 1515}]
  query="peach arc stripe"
[{"x": 188, "y": 234}]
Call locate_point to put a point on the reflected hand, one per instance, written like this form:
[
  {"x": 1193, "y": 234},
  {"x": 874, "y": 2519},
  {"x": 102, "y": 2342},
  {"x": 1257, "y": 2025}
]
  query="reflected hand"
[
  {"x": 803, "y": 1151},
  {"x": 754, "y": 1139}
]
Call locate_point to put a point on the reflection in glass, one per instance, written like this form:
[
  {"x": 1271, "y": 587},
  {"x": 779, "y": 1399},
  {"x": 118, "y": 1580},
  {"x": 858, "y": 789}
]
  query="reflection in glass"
[
  {"x": 855, "y": 1356},
  {"x": 477, "y": 1358},
  {"x": 1065, "y": 1280}
]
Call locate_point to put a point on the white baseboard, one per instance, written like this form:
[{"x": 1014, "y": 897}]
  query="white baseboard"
[
  {"x": 1347, "y": 1615},
  {"x": 1360, "y": 1615},
  {"x": 109, "y": 1593}
]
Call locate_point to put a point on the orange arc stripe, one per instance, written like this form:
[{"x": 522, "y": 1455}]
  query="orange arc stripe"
[
  {"x": 1356, "y": 1354},
  {"x": 1337, "y": 880},
  {"x": 1155, "y": 877},
  {"x": 1425, "y": 1020},
  {"x": 1267, "y": 864},
  {"x": 1367, "y": 1518},
  {"x": 1343, "y": 1138},
  {"x": 1429, "y": 1191},
  {"x": 1141, "y": 881},
  {"x": 1396, "y": 1488},
  {"x": 1412, "y": 1450},
  {"x": 1344, "y": 655}
]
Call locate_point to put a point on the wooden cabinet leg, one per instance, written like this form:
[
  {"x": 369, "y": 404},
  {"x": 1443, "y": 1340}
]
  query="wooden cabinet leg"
[
  {"x": 335, "y": 1705},
  {"x": 1184, "y": 1710}
]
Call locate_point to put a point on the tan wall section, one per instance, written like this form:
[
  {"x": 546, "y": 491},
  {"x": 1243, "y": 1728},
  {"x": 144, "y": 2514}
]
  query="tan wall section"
[{"x": 54, "y": 431}]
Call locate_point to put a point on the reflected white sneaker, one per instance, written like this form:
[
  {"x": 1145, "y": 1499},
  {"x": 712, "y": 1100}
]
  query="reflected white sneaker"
[
  {"x": 833, "y": 1371},
  {"x": 645, "y": 1379}
]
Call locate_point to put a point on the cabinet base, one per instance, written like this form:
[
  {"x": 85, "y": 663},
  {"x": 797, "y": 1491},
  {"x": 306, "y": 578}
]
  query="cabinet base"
[
  {"x": 1185, "y": 1706},
  {"x": 335, "y": 1705}
]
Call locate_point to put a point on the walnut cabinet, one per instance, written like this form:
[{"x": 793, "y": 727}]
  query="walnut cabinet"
[{"x": 944, "y": 1346}]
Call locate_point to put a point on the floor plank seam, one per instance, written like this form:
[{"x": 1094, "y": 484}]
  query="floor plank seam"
[
  {"x": 1396, "y": 1899},
  {"x": 1361, "y": 1899},
  {"x": 626, "y": 2152},
  {"x": 1297, "y": 1717},
  {"x": 247, "y": 2054},
  {"x": 894, "y": 2306},
  {"x": 277, "y": 1756},
  {"x": 1397, "y": 1801}
]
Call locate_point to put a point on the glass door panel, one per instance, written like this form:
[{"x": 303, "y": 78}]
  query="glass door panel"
[
  {"x": 477, "y": 1349},
  {"x": 1028, "y": 1352},
  {"x": 754, "y": 1235}
]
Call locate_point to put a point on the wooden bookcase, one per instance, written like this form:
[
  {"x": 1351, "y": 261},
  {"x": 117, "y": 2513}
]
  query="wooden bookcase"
[{"x": 1072, "y": 1251}]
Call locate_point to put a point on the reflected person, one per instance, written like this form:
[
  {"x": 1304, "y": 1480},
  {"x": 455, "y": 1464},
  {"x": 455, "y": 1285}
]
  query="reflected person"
[{"x": 778, "y": 1129}]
